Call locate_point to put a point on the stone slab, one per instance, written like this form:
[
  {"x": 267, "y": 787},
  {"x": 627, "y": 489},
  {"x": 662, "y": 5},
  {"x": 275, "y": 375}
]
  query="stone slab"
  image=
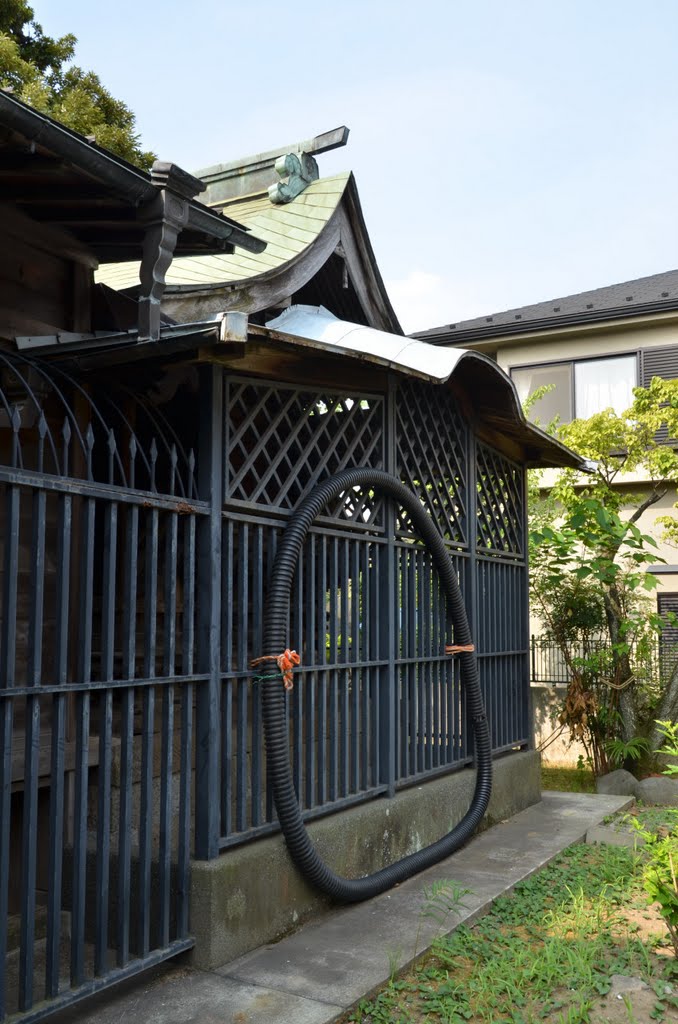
[
  {"x": 175, "y": 995},
  {"x": 605, "y": 834}
]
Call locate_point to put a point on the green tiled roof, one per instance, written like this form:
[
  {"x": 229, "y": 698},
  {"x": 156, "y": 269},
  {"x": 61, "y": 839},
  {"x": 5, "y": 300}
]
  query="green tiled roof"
[{"x": 287, "y": 229}]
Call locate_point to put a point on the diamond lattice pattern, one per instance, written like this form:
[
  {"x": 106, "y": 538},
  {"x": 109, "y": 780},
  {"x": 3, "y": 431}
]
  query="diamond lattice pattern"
[
  {"x": 499, "y": 503},
  {"x": 281, "y": 441},
  {"x": 432, "y": 442}
]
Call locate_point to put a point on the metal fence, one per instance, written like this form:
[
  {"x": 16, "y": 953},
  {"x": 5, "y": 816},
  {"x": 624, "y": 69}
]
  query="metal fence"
[
  {"x": 653, "y": 665},
  {"x": 132, "y": 588},
  {"x": 97, "y": 673},
  {"x": 376, "y": 704}
]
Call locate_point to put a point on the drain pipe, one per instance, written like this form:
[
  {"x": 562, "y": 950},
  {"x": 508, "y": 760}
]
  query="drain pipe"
[{"x": 276, "y": 616}]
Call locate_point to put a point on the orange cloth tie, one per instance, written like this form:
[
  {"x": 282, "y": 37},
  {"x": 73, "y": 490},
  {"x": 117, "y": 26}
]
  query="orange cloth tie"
[
  {"x": 286, "y": 662},
  {"x": 459, "y": 648}
]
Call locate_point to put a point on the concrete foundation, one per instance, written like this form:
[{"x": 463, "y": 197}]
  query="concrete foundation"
[{"x": 253, "y": 894}]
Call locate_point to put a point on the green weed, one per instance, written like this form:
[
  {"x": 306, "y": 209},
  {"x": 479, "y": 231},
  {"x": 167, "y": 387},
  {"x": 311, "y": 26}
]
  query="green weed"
[{"x": 548, "y": 949}]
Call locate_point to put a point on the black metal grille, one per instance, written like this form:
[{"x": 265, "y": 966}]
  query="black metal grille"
[
  {"x": 131, "y": 609},
  {"x": 98, "y": 608}
]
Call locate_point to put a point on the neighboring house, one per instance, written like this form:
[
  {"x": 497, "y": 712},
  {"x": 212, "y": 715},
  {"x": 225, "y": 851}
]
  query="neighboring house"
[
  {"x": 595, "y": 347},
  {"x": 148, "y": 471}
]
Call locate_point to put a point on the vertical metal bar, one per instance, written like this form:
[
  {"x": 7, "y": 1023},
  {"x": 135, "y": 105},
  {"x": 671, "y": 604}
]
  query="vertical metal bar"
[
  {"x": 366, "y": 613},
  {"x": 167, "y": 730},
  {"x": 147, "y": 731},
  {"x": 420, "y": 699},
  {"x": 297, "y": 637},
  {"x": 357, "y": 674},
  {"x": 388, "y": 597},
  {"x": 412, "y": 673},
  {"x": 345, "y": 674},
  {"x": 6, "y": 715},
  {"x": 333, "y": 655},
  {"x": 321, "y": 795},
  {"x": 32, "y": 753},
  {"x": 436, "y": 648},
  {"x": 256, "y": 772},
  {"x": 472, "y": 582},
  {"x": 211, "y": 489},
  {"x": 312, "y": 655},
  {"x": 229, "y": 605},
  {"x": 56, "y": 805},
  {"x": 127, "y": 738},
  {"x": 527, "y": 721},
  {"x": 7, "y": 679},
  {"x": 110, "y": 543},
  {"x": 82, "y": 728},
  {"x": 185, "y": 767},
  {"x": 11, "y": 573},
  {"x": 404, "y": 647},
  {"x": 242, "y": 683}
]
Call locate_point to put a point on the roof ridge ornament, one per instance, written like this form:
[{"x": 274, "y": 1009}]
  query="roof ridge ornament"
[{"x": 300, "y": 169}]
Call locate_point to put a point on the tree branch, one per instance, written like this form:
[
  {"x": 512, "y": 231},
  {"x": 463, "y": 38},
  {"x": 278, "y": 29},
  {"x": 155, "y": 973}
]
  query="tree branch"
[{"x": 649, "y": 501}]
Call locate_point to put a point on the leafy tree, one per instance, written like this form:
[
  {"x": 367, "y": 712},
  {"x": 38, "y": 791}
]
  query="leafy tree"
[
  {"x": 39, "y": 70},
  {"x": 589, "y": 570}
]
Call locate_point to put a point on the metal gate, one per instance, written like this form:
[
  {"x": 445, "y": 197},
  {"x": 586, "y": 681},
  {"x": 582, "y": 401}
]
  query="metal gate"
[{"x": 97, "y": 677}]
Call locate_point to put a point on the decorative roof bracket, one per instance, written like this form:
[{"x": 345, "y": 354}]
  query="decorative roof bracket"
[
  {"x": 165, "y": 216},
  {"x": 300, "y": 170}
]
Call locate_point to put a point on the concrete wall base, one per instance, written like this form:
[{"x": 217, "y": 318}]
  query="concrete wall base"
[{"x": 253, "y": 894}]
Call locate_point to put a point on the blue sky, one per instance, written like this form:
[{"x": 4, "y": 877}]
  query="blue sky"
[{"x": 505, "y": 152}]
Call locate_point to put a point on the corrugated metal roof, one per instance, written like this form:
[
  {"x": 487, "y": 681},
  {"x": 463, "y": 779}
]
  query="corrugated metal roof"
[{"x": 288, "y": 230}]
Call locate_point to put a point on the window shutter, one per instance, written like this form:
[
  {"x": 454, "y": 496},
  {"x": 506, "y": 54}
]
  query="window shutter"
[
  {"x": 659, "y": 362},
  {"x": 668, "y": 643}
]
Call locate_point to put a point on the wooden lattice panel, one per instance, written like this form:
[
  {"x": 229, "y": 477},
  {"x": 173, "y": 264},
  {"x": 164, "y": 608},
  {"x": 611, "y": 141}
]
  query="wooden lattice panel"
[
  {"x": 432, "y": 444},
  {"x": 499, "y": 503},
  {"x": 281, "y": 441}
]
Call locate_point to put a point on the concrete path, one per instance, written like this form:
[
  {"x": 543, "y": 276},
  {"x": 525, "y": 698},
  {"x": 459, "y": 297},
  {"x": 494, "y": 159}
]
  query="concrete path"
[{"x": 313, "y": 976}]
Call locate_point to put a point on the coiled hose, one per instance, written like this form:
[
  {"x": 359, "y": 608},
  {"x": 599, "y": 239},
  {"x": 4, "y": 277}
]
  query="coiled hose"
[{"x": 276, "y": 614}]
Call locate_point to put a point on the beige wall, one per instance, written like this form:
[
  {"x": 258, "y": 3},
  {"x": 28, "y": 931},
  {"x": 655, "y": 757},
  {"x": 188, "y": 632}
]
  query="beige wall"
[{"x": 575, "y": 343}]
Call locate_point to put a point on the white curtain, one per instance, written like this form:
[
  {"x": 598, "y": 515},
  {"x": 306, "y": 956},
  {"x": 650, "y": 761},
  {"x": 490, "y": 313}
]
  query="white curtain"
[{"x": 604, "y": 384}]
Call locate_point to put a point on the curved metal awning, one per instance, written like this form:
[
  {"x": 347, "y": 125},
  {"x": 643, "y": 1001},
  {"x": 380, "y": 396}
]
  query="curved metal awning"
[{"x": 491, "y": 391}]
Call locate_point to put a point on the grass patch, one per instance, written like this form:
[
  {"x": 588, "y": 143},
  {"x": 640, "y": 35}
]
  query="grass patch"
[
  {"x": 568, "y": 780},
  {"x": 546, "y": 952}
]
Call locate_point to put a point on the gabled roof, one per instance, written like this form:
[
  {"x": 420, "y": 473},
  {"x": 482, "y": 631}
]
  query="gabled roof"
[
  {"x": 288, "y": 230},
  {"x": 654, "y": 294},
  {"x": 318, "y": 249}
]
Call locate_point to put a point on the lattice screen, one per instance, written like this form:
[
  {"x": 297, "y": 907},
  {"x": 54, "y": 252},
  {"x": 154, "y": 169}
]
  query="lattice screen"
[
  {"x": 499, "y": 503},
  {"x": 432, "y": 445},
  {"x": 280, "y": 441}
]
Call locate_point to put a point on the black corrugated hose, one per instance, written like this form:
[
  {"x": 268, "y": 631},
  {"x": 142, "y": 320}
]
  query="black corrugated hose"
[{"x": 276, "y": 614}]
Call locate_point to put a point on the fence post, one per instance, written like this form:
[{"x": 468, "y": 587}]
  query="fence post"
[
  {"x": 210, "y": 487},
  {"x": 388, "y": 681}
]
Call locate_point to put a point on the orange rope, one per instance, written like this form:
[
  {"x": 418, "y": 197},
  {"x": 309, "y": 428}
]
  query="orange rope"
[
  {"x": 459, "y": 648},
  {"x": 286, "y": 662}
]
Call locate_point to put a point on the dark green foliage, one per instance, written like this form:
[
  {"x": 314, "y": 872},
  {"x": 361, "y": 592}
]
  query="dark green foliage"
[{"x": 38, "y": 68}]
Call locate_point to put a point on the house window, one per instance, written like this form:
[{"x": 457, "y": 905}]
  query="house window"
[{"x": 582, "y": 387}]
